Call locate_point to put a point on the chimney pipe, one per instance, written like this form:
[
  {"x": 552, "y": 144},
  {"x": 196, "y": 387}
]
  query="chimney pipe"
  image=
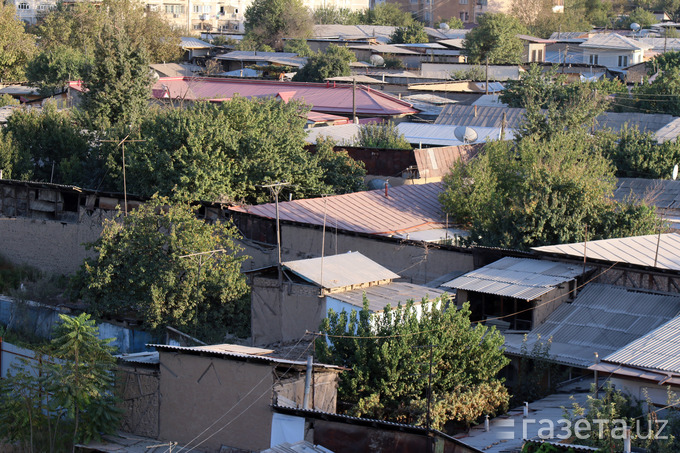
[{"x": 386, "y": 194}]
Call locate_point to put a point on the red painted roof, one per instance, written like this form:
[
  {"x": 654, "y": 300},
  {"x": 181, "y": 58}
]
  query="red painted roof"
[
  {"x": 406, "y": 208},
  {"x": 321, "y": 96}
]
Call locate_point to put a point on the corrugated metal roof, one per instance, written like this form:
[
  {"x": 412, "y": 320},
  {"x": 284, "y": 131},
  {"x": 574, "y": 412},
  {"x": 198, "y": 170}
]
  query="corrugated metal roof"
[
  {"x": 496, "y": 72},
  {"x": 437, "y": 162},
  {"x": 320, "y": 96},
  {"x": 393, "y": 294},
  {"x": 661, "y": 193},
  {"x": 405, "y": 208},
  {"x": 614, "y": 41},
  {"x": 226, "y": 354},
  {"x": 386, "y": 48},
  {"x": 346, "y": 269},
  {"x": 638, "y": 250},
  {"x": 659, "y": 349},
  {"x": 669, "y": 132},
  {"x": 381, "y": 33},
  {"x": 444, "y": 135},
  {"x": 602, "y": 319},
  {"x": 298, "y": 447},
  {"x": 661, "y": 44},
  {"x": 188, "y": 42},
  {"x": 342, "y": 134},
  {"x": 490, "y": 116},
  {"x": 249, "y": 55},
  {"x": 520, "y": 278}
]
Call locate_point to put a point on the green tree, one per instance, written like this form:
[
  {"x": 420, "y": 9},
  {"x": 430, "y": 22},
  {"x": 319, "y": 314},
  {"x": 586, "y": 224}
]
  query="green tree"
[
  {"x": 663, "y": 62},
  {"x": 118, "y": 86},
  {"x": 383, "y": 135},
  {"x": 170, "y": 268},
  {"x": 599, "y": 13},
  {"x": 541, "y": 190},
  {"x": 454, "y": 23},
  {"x": 51, "y": 70},
  {"x": 496, "y": 39},
  {"x": 638, "y": 154},
  {"x": 660, "y": 96},
  {"x": 269, "y": 21},
  {"x": 385, "y": 351},
  {"x": 640, "y": 16},
  {"x": 48, "y": 146},
  {"x": 342, "y": 173},
  {"x": 298, "y": 46},
  {"x": 410, "y": 34},
  {"x": 66, "y": 398},
  {"x": 334, "y": 62},
  {"x": 386, "y": 13},
  {"x": 6, "y": 99},
  {"x": 16, "y": 46},
  {"x": 334, "y": 15}
]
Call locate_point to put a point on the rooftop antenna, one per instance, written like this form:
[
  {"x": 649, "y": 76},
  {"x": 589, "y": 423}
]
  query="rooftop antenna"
[{"x": 275, "y": 190}]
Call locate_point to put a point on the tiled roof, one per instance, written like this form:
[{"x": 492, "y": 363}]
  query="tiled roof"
[
  {"x": 637, "y": 250},
  {"x": 602, "y": 319},
  {"x": 321, "y": 96},
  {"x": 404, "y": 208}
]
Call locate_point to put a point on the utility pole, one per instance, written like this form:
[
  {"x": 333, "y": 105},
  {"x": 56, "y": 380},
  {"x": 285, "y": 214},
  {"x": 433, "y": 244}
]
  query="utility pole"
[
  {"x": 275, "y": 190},
  {"x": 122, "y": 147},
  {"x": 428, "y": 420},
  {"x": 486, "y": 89}
]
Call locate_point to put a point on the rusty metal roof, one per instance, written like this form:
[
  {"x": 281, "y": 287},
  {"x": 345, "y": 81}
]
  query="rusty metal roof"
[
  {"x": 403, "y": 209},
  {"x": 520, "y": 278},
  {"x": 321, "y": 97},
  {"x": 637, "y": 250},
  {"x": 602, "y": 319},
  {"x": 659, "y": 349},
  {"x": 345, "y": 269},
  {"x": 437, "y": 162}
]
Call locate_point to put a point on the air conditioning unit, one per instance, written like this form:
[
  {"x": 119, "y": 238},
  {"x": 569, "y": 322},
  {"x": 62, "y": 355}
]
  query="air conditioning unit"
[{"x": 204, "y": 16}]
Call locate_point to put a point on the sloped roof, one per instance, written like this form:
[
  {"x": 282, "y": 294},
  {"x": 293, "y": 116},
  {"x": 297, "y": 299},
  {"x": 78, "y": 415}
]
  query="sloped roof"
[
  {"x": 535, "y": 40},
  {"x": 661, "y": 193},
  {"x": 282, "y": 58},
  {"x": 405, "y": 208},
  {"x": 342, "y": 134},
  {"x": 437, "y": 162},
  {"x": 392, "y": 293},
  {"x": 175, "y": 69},
  {"x": 386, "y": 48},
  {"x": 658, "y": 350},
  {"x": 661, "y": 44},
  {"x": 322, "y": 97},
  {"x": 519, "y": 278},
  {"x": 444, "y": 135},
  {"x": 346, "y": 269},
  {"x": 602, "y": 319},
  {"x": 381, "y": 33},
  {"x": 637, "y": 250},
  {"x": 193, "y": 43},
  {"x": 613, "y": 41}
]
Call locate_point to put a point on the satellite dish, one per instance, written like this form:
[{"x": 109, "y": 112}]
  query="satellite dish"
[
  {"x": 444, "y": 26},
  {"x": 465, "y": 134},
  {"x": 675, "y": 172},
  {"x": 377, "y": 60},
  {"x": 635, "y": 26}
]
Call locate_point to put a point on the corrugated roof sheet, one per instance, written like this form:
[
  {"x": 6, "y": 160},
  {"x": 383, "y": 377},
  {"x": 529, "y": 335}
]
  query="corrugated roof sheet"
[
  {"x": 320, "y": 96},
  {"x": 393, "y": 294},
  {"x": 437, "y": 162},
  {"x": 188, "y": 42},
  {"x": 342, "y": 134},
  {"x": 386, "y": 48},
  {"x": 613, "y": 41},
  {"x": 346, "y": 269},
  {"x": 227, "y": 354},
  {"x": 659, "y": 349},
  {"x": 490, "y": 116},
  {"x": 444, "y": 135},
  {"x": 661, "y": 193},
  {"x": 638, "y": 250},
  {"x": 298, "y": 447},
  {"x": 381, "y": 33},
  {"x": 602, "y": 319},
  {"x": 405, "y": 208},
  {"x": 520, "y": 278}
]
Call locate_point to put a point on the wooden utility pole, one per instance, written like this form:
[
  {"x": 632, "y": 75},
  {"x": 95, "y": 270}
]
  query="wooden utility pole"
[
  {"x": 275, "y": 190},
  {"x": 122, "y": 145}
]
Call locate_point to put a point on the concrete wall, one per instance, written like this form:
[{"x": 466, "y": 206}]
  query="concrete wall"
[
  {"x": 657, "y": 394},
  {"x": 414, "y": 262},
  {"x": 199, "y": 391},
  {"x": 549, "y": 302},
  {"x": 139, "y": 389},
  {"x": 610, "y": 58}
]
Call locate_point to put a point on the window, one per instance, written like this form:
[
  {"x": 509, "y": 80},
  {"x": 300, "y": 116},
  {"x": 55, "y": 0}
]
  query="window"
[
  {"x": 540, "y": 54},
  {"x": 623, "y": 60},
  {"x": 533, "y": 56},
  {"x": 463, "y": 2},
  {"x": 594, "y": 59},
  {"x": 464, "y": 16},
  {"x": 197, "y": 9},
  {"x": 22, "y": 6}
]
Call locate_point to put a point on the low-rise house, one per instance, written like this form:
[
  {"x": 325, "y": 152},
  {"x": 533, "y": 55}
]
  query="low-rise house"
[
  {"x": 517, "y": 293},
  {"x": 220, "y": 397},
  {"x": 194, "y": 48},
  {"x": 663, "y": 194},
  {"x": 534, "y": 48},
  {"x": 240, "y": 59},
  {"x": 613, "y": 51},
  {"x": 285, "y": 307}
]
